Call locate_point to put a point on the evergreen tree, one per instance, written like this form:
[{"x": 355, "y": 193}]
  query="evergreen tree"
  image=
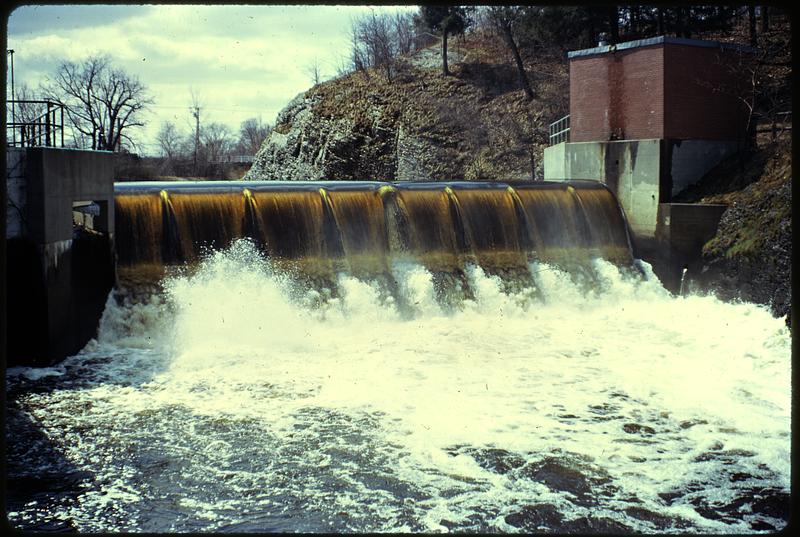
[{"x": 449, "y": 20}]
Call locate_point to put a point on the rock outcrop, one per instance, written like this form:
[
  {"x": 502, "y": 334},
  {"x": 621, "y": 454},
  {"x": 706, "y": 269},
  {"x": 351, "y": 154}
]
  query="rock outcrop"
[{"x": 416, "y": 126}]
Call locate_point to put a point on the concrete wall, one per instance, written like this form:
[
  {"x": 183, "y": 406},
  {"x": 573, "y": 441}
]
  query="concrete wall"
[
  {"x": 642, "y": 173},
  {"x": 629, "y": 168},
  {"x": 690, "y": 160},
  {"x": 682, "y": 230},
  {"x": 555, "y": 162},
  {"x": 56, "y": 178},
  {"x": 16, "y": 193},
  {"x": 688, "y": 226},
  {"x": 58, "y": 276}
]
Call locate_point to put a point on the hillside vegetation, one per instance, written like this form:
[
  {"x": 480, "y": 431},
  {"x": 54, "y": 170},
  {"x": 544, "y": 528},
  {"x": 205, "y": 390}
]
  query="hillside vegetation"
[{"x": 750, "y": 258}]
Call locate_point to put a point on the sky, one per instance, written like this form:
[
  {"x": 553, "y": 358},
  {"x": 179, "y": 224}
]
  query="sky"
[{"x": 241, "y": 61}]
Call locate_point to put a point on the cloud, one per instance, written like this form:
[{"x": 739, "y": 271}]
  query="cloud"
[
  {"x": 40, "y": 19},
  {"x": 245, "y": 61}
]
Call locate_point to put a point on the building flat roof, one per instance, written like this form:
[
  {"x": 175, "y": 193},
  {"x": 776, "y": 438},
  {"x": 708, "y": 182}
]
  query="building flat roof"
[{"x": 660, "y": 40}]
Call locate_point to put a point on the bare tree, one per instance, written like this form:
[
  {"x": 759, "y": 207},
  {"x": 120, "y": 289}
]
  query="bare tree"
[
  {"x": 504, "y": 18},
  {"x": 449, "y": 20},
  {"x": 312, "y": 70},
  {"x": 175, "y": 147},
  {"x": 403, "y": 29},
  {"x": 343, "y": 65},
  {"x": 26, "y": 112},
  {"x": 252, "y": 133},
  {"x": 374, "y": 42},
  {"x": 751, "y": 12},
  {"x": 358, "y": 59},
  {"x": 102, "y": 103},
  {"x": 170, "y": 140},
  {"x": 217, "y": 140}
]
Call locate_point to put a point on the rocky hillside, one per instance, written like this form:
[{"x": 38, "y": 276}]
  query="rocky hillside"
[
  {"x": 750, "y": 258},
  {"x": 421, "y": 125}
]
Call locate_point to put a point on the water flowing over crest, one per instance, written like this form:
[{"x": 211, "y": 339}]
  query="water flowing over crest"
[
  {"x": 391, "y": 358},
  {"x": 361, "y": 227}
]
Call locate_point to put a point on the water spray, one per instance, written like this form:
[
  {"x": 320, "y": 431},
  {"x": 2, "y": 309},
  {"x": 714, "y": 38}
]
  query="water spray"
[{"x": 683, "y": 280}]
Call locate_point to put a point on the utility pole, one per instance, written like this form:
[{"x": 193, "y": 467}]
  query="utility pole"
[
  {"x": 13, "y": 99},
  {"x": 196, "y": 114}
]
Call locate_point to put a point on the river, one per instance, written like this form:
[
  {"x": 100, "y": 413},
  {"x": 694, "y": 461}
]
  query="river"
[{"x": 235, "y": 401}]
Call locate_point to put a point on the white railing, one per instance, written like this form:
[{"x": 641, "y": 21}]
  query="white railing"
[{"x": 559, "y": 131}]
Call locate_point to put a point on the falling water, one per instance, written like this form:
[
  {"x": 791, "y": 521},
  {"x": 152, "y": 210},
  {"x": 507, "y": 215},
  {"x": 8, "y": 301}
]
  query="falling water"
[
  {"x": 242, "y": 396},
  {"x": 683, "y": 280}
]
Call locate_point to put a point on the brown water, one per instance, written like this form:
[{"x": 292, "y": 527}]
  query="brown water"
[{"x": 361, "y": 228}]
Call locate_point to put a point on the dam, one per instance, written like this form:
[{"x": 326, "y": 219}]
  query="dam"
[
  {"x": 362, "y": 227},
  {"x": 433, "y": 357}
]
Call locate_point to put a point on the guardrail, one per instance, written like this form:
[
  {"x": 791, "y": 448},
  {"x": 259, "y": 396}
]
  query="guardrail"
[
  {"x": 559, "y": 131},
  {"x": 42, "y": 124},
  {"x": 236, "y": 159}
]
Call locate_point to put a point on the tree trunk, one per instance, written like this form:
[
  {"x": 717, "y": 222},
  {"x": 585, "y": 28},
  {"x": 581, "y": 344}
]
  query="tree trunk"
[
  {"x": 533, "y": 163},
  {"x": 661, "y": 21},
  {"x": 764, "y": 19},
  {"x": 751, "y": 10},
  {"x": 445, "y": 69},
  {"x": 523, "y": 77}
]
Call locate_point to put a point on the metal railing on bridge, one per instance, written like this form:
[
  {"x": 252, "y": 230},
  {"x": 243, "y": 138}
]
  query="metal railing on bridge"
[
  {"x": 34, "y": 123},
  {"x": 559, "y": 131},
  {"x": 235, "y": 159}
]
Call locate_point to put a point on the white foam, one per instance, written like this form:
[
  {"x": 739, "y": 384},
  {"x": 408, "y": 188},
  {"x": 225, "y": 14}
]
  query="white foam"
[{"x": 504, "y": 371}]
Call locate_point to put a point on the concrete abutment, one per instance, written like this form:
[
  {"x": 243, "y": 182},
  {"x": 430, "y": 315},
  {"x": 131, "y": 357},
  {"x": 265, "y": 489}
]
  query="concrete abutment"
[{"x": 59, "y": 250}]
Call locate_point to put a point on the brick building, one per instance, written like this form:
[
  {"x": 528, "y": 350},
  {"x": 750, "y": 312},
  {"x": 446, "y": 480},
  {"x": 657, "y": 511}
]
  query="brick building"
[
  {"x": 664, "y": 87},
  {"x": 650, "y": 118}
]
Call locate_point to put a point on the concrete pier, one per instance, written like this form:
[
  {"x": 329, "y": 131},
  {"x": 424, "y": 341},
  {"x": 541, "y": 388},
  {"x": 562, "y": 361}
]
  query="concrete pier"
[{"x": 60, "y": 264}]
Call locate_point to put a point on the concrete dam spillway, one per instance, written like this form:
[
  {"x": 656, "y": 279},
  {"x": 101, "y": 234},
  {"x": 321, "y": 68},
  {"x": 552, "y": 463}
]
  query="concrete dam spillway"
[
  {"x": 426, "y": 357},
  {"x": 324, "y": 228}
]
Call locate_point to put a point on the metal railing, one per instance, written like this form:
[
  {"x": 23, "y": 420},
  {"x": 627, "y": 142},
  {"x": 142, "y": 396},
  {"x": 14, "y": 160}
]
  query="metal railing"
[
  {"x": 35, "y": 123},
  {"x": 235, "y": 159},
  {"x": 559, "y": 131}
]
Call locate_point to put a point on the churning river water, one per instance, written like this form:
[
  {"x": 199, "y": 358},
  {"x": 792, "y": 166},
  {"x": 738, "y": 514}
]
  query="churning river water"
[{"x": 235, "y": 401}]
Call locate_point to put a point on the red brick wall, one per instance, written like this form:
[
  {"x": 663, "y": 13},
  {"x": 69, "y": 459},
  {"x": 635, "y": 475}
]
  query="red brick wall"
[
  {"x": 588, "y": 99},
  {"x": 617, "y": 94},
  {"x": 641, "y": 90},
  {"x": 658, "y": 91},
  {"x": 702, "y": 97}
]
